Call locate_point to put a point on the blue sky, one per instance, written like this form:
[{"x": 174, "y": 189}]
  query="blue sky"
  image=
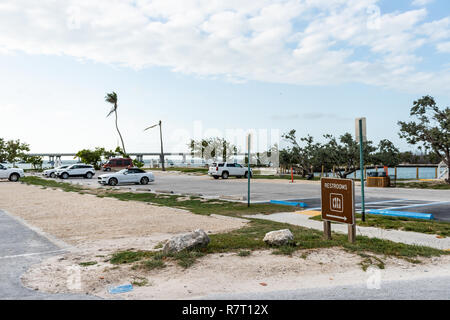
[{"x": 312, "y": 66}]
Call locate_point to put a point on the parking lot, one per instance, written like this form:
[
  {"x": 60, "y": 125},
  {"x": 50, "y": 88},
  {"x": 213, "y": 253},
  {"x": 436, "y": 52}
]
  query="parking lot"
[{"x": 436, "y": 202}]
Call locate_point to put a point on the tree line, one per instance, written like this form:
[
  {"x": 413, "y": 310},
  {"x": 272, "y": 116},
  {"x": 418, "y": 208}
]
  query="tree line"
[
  {"x": 94, "y": 157},
  {"x": 429, "y": 129},
  {"x": 13, "y": 151},
  {"x": 340, "y": 154}
]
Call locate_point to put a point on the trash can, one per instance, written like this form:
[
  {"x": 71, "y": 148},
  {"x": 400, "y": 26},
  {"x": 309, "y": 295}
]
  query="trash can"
[{"x": 380, "y": 182}]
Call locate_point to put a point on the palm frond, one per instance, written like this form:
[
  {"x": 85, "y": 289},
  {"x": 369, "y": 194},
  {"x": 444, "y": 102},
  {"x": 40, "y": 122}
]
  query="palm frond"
[{"x": 111, "y": 97}]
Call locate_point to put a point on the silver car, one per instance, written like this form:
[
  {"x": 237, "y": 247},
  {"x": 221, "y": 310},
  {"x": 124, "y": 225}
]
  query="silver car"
[
  {"x": 52, "y": 172},
  {"x": 127, "y": 176}
]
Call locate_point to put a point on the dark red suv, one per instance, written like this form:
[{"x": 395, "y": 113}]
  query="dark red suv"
[{"x": 116, "y": 164}]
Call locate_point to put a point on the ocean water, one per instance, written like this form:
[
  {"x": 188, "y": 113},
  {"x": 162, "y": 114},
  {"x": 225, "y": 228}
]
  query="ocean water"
[{"x": 402, "y": 173}]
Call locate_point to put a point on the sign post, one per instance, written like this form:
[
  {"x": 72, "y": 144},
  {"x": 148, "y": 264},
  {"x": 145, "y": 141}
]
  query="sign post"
[
  {"x": 361, "y": 134},
  {"x": 338, "y": 205}
]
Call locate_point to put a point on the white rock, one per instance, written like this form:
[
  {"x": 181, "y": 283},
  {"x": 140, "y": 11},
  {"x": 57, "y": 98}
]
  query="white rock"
[
  {"x": 195, "y": 239},
  {"x": 278, "y": 237}
]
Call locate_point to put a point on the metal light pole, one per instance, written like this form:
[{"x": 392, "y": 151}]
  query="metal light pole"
[{"x": 161, "y": 157}]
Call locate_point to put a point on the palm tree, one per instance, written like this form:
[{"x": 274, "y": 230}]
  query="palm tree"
[{"x": 112, "y": 98}]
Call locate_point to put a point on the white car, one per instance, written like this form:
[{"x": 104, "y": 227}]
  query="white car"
[
  {"x": 125, "y": 176},
  {"x": 226, "y": 169},
  {"x": 12, "y": 174},
  {"x": 51, "y": 173},
  {"x": 76, "y": 170}
]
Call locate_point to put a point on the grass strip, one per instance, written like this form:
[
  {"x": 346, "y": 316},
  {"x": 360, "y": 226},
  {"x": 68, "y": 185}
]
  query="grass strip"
[
  {"x": 194, "y": 204},
  {"x": 37, "y": 181},
  {"x": 202, "y": 206},
  {"x": 250, "y": 238},
  {"x": 88, "y": 263},
  {"x": 424, "y": 185}
]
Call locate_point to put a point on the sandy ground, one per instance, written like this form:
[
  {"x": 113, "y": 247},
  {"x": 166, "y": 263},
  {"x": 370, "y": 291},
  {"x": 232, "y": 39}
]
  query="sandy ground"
[
  {"x": 262, "y": 271},
  {"x": 78, "y": 219}
]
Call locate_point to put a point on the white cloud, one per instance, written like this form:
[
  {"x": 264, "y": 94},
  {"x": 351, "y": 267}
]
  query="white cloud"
[
  {"x": 443, "y": 47},
  {"x": 421, "y": 2},
  {"x": 288, "y": 41}
]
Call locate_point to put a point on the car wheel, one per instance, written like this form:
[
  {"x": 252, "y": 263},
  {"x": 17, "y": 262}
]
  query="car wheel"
[
  {"x": 108, "y": 169},
  {"x": 144, "y": 180},
  {"x": 225, "y": 175},
  {"x": 246, "y": 175},
  {"x": 112, "y": 182},
  {"x": 89, "y": 175},
  {"x": 52, "y": 175},
  {"x": 14, "y": 177},
  {"x": 65, "y": 175},
  {"x": 216, "y": 177}
]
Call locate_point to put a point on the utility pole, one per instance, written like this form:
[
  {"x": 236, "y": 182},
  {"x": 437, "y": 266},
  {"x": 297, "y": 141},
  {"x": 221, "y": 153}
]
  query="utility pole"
[
  {"x": 361, "y": 166},
  {"x": 161, "y": 156},
  {"x": 162, "y": 151}
]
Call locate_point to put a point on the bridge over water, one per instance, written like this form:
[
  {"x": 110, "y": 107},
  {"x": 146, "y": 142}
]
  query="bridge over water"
[{"x": 56, "y": 156}]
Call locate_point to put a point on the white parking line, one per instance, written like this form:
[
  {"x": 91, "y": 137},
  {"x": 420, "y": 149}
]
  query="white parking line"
[
  {"x": 32, "y": 254},
  {"x": 418, "y": 205},
  {"x": 367, "y": 203}
]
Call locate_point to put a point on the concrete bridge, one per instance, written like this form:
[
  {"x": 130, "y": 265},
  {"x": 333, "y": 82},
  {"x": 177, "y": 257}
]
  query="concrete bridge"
[
  {"x": 56, "y": 156},
  {"x": 139, "y": 155}
]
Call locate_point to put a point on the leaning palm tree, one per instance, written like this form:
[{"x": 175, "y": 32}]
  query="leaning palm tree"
[{"x": 112, "y": 98}]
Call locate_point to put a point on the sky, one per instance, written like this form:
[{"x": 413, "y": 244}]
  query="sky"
[{"x": 208, "y": 67}]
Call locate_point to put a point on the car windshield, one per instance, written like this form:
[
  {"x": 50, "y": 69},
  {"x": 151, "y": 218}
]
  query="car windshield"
[
  {"x": 62, "y": 167},
  {"x": 123, "y": 171}
]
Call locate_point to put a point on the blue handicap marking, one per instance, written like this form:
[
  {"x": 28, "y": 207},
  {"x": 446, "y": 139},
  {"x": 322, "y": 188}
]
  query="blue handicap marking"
[
  {"x": 405, "y": 214},
  {"x": 289, "y": 203}
]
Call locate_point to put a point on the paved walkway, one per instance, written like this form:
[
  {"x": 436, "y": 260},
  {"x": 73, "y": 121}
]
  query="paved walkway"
[
  {"x": 436, "y": 288},
  {"x": 20, "y": 248},
  {"x": 412, "y": 238}
]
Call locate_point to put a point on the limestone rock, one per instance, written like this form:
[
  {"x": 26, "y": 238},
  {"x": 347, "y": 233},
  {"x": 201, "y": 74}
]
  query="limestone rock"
[
  {"x": 191, "y": 240},
  {"x": 278, "y": 237}
]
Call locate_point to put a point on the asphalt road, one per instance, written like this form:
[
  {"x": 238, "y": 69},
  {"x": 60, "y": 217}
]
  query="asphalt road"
[
  {"x": 263, "y": 190},
  {"x": 20, "y": 248},
  {"x": 437, "y": 288},
  {"x": 309, "y": 192}
]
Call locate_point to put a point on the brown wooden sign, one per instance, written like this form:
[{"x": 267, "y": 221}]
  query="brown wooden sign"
[{"x": 338, "y": 200}]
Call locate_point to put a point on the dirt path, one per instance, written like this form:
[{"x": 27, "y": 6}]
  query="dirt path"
[{"x": 78, "y": 219}]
